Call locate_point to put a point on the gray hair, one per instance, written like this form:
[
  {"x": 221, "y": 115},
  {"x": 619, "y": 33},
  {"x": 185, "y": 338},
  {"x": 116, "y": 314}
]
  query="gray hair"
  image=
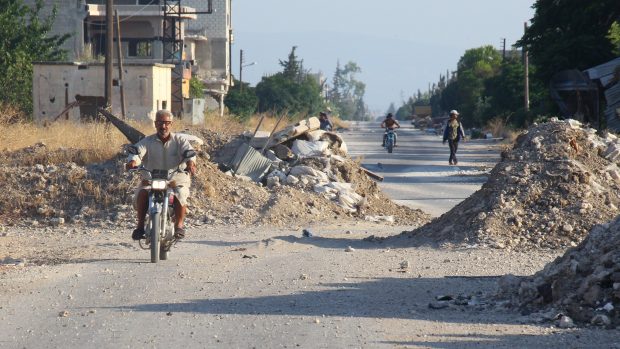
[{"x": 164, "y": 112}]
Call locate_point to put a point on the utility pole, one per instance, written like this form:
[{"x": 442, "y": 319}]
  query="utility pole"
[
  {"x": 241, "y": 70},
  {"x": 503, "y": 49},
  {"x": 109, "y": 48},
  {"x": 526, "y": 78},
  {"x": 119, "y": 55}
]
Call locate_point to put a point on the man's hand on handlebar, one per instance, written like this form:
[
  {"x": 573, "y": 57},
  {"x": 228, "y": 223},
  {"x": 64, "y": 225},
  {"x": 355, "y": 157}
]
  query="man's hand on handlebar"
[
  {"x": 131, "y": 165},
  {"x": 191, "y": 167}
]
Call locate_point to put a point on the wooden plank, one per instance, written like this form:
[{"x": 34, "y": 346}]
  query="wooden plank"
[{"x": 372, "y": 175}]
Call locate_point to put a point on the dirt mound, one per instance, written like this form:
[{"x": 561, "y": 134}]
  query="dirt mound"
[
  {"x": 44, "y": 187},
  {"x": 583, "y": 284},
  {"x": 547, "y": 192}
]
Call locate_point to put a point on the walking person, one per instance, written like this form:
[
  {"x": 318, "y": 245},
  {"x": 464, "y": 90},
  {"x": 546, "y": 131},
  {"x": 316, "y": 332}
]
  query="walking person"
[{"x": 453, "y": 133}]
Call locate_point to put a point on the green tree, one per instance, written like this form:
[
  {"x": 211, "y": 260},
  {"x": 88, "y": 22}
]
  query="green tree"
[
  {"x": 614, "y": 37},
  {"x": 292, "y": 90},
  {"x": 347, "y": 93},
  {"x": 474, "y": 67},
  {"x": 241, "y": 102},
  {"x": 293, "y": 67},
  {"x": 570, "y": 34},
  {"x": 196, "y": 88},
  {"x": 24, "y": 38}
]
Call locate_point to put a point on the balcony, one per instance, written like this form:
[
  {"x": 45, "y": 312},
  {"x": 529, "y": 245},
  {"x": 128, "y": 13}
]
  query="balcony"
[{"x": 140, "y": 11}]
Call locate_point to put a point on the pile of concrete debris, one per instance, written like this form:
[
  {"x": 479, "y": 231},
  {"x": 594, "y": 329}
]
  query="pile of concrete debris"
[
  {"x": 558, "y": 181},
  {"x": 582, "y": 286},
  {"x": 55, "y": 187}
]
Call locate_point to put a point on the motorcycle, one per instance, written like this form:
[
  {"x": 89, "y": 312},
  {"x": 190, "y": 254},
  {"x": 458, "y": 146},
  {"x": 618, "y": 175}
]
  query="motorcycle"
[
  {"x": 390, "y": 140},
  {"x": 159, "y": 225}
]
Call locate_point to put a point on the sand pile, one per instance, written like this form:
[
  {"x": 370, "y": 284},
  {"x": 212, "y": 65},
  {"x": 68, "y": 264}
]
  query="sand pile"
[
  {"x": 582, "y": 286},
  {"x": 558, "y": 181}
]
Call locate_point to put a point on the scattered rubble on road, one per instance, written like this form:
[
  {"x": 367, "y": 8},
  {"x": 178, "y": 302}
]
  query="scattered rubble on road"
[
  {"x": 558, "y": 181},
  {"x": 582, "y": 286},
  {"x": 45, "y": 187}
]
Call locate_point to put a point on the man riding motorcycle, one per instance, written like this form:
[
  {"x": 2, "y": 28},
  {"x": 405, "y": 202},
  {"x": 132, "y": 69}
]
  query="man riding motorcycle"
[
  {"x": 163, "y": 151},
  {"x": 389, "y": 124}
]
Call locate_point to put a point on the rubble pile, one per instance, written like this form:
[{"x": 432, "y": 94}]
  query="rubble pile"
[
  {"x": 558, "y": 181},
  {"x": 55, "y": 187},
  {"x": 582, "y": 286}
]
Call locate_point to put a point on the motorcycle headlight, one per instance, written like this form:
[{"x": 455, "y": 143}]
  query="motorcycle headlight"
[{"x": 158, "y": 184}]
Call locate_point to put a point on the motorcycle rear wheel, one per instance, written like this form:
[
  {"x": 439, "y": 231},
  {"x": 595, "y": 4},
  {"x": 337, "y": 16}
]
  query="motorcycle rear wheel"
[
  {"x": 154, "y": 234},
  {"x": 390, "y": 145}
]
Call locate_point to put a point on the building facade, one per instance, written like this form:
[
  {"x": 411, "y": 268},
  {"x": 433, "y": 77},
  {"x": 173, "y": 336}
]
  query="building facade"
[
  {"x": 56, "y": 85},
  {"x": 150, "y": 33}
]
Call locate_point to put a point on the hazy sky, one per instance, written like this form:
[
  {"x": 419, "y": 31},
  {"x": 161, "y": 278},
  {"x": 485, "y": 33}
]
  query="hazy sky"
[{"x": 401, "y": 45}]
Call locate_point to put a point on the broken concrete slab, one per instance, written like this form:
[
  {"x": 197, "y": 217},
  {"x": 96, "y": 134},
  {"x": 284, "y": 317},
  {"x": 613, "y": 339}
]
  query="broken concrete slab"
[{"x": 307, "y": 148}]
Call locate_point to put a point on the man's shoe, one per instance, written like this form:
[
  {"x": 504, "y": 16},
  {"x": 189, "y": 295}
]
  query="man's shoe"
[
  {"x": 138, "y": 234},
  {"x": 179, "y": 233}
]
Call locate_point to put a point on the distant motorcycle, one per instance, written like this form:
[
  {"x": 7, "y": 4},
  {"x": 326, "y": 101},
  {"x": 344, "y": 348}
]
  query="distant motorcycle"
[
  {"x": 390, "y": 140},
  {"x": 159, "y": 226}
]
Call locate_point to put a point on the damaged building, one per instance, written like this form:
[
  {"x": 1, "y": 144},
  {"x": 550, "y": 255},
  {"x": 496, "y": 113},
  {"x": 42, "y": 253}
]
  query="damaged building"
[{"x": 194, "y": 37}]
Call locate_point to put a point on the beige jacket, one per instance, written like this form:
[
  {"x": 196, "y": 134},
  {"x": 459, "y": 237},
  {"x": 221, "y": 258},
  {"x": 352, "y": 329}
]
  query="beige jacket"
[{"x": 154, "y": 154}]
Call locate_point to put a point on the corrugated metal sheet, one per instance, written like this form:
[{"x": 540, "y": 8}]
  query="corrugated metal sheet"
[
  {"x": 612, "y": 96},
  {"x": 250, "y": 162},
  {"x": 604, "y": 69}
]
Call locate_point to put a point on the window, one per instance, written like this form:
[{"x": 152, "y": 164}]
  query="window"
[{"x": 139, "y": 48}]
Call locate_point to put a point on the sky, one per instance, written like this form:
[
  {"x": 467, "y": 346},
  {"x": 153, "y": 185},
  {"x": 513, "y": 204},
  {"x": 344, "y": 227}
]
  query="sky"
[{"x": 400, "y": 45}]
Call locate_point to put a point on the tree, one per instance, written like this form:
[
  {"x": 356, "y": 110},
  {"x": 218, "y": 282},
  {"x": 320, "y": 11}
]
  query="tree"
[
  {"x": 614, "y": 37},
  {"x": 24, "y": 39},
  {"x": 570, "y": 34},
  {"x": 293, "y": 67},
  {"x": 241, "y": 103},
  {"x": 347, "y": 93},
  {"x": 391, "y": 109},
  {"x": 292, "y": 90},
  {"x": 196, "y": 88},
  {"x": 474, "y": 67}
]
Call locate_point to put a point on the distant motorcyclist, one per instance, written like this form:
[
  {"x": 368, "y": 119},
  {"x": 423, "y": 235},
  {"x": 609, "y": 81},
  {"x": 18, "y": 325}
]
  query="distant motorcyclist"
[
  {"x": 163, "y": 151},
  {"x": 389, "y": 124}
]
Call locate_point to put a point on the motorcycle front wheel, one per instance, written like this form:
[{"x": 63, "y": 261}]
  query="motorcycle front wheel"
[{"x": 154, "y": 235}]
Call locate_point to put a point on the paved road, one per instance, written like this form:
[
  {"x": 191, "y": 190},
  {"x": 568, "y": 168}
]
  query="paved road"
[
  {"x": 417, "y": 173},
  {"x": 262, "y": 287}
]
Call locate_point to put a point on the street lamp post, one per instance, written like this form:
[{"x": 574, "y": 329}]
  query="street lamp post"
[{"x": 241, "y": 66}]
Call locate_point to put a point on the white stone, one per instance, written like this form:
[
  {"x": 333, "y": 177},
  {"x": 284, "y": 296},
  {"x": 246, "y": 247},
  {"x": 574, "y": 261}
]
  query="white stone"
[
  {"x": 565, "y": 322},
  {"x": 567, "y": 228},
  {"x": 292, "y": 180}
]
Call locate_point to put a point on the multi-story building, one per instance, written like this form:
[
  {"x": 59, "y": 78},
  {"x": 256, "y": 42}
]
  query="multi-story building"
[{"x": 191, "y": 34}]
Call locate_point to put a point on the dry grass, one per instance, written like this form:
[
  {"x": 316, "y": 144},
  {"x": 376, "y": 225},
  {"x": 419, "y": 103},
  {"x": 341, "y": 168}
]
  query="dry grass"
[
  {"x": 90, "y": 142},
  {"x": 97, "y": 141},
  {"x": 10, "y": 114},
  {"x": 498, "y": 127},
  {"x": 339, "y": 123},
  {"x": 222, "y": 124}
]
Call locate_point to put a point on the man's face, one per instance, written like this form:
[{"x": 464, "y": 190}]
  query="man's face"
[{"x": 163, "y": 124}]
